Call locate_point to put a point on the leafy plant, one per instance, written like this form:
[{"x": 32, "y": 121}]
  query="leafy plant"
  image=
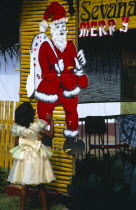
[
  {"x": 3, "y": 178},
  {"x": 101, "y": 184}
]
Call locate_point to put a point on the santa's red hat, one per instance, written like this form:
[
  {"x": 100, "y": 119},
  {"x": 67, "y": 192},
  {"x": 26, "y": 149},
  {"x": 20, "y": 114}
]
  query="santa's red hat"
[{"x": 55, "y": 11}]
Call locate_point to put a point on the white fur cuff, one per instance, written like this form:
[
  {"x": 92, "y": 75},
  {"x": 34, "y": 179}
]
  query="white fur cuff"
[
  {"x": 71, "y": 93},
  {"x": 69, "y": 133},
  {"x": 79, "y": 72},
  {"x": 46, "y": 98}
]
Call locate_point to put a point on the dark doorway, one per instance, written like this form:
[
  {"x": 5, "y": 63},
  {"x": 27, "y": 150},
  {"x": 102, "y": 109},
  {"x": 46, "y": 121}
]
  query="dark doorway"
[{"x": 111, "y": 67}]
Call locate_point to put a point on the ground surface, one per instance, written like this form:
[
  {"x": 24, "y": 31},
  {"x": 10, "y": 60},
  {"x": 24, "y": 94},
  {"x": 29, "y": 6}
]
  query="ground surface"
[{"x": 12, "y": 203}]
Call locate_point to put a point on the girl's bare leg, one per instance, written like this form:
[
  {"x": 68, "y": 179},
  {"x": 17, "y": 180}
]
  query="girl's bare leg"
[
  {"x": 23, "y": 195},
  {"x": 42, "y": 193}
]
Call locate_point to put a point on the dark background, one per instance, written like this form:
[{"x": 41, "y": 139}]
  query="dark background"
[{"x": 111, "y": 67}]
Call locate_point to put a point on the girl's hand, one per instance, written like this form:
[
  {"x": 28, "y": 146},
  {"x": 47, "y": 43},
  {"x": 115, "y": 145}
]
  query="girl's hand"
[
  {"x": 49, "y": 117},
  {"x": 50, "y": 133}
]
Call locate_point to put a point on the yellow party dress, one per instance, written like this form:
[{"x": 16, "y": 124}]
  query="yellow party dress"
[{"x": 31, "y": 165}]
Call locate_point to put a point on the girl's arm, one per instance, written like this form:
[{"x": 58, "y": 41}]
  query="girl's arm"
[
  {"x": 16, "y": 141},
  {"x": 50, "y": 133}
]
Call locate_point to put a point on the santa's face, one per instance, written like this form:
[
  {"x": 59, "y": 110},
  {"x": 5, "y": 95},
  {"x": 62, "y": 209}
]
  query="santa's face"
[
  {"x": 59, "y": 33},
  {"x": 60, "y": 28}
]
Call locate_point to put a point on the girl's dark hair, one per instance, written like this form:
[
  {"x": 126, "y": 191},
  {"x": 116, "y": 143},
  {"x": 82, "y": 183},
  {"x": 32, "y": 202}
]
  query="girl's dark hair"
[{"x": 24, "y": 114}]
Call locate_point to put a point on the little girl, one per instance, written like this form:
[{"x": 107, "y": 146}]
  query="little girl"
[{"x": 31, "y": 165}]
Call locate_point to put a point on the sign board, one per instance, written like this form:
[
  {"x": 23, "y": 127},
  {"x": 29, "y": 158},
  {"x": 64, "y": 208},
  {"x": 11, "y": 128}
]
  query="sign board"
[{"x": 99, "y": 18}]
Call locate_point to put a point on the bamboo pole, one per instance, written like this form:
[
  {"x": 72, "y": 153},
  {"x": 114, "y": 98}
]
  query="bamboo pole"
[
  {"x": 63, "y": 181},
  {"x": 56, "y": 189},
  {"x": 61, "y": 164},
  {"x": 12, "y": 140},
  {"x": 60, "y": 168},
  {"x": 2, "y": 133},
  {"x": 6, "y": 154}
]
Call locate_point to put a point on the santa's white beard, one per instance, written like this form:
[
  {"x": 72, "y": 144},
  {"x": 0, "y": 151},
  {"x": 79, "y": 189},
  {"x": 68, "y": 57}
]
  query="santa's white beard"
[{"x": 59, "y": 41}]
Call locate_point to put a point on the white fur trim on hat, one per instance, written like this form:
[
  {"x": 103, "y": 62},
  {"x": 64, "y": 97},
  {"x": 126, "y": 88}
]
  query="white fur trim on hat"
[
  {"x": 71, "y": 93},
  {"x": 30, "y": 85},
  {"x": 69, "y": 133},
  {"x": 43, "y": 25},
  {"x": 45, "y": 97}
]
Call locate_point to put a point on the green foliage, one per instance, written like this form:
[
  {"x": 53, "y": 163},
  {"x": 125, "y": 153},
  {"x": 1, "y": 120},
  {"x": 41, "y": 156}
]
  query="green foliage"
[
  {"x": 105, "y": 184},
  {"x": 8, "y": 202},
  {"x": 3, "y": 179}
]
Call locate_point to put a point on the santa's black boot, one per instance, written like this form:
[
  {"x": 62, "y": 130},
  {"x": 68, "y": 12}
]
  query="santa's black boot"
[
  {"x": 73, "y": 147},
  {"x": 68, "y": 144},
  {"x": 77, "y": 147}
]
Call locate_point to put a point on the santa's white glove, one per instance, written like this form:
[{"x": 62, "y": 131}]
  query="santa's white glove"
[
  {"x": 78, "y": 68},
  {"x": 59, "y": 67},
  {"x": 81, "y": 58}
]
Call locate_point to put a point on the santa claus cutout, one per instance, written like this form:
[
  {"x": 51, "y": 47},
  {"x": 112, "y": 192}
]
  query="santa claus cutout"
[{"x": 56, "y": 73}]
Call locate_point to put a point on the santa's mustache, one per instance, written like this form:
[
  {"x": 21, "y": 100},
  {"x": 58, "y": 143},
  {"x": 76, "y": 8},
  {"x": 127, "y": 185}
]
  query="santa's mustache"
[
  {"x": 58, "y": 34},
  {"x": 59, "y": 37}
]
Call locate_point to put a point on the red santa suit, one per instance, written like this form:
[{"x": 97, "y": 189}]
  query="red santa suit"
[
  {"x": 59, "y": 88},
  {"x": 53, "y": 85}
]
